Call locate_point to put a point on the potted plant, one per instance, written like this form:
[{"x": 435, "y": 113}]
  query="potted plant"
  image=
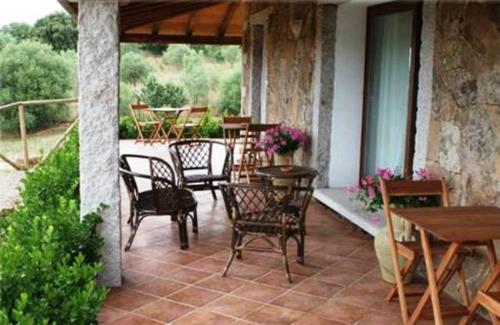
[
  {"x": 369, "y": 196},
  {"x": 281, "y": 142}
]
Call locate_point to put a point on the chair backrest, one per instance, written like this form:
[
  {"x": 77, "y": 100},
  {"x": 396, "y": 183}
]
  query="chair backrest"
[
  {"x": 128, "y": 179},
  {"x": 237, "y": 119},
  {"x": 197, "y": 113},
  {"x": 191, "y": 155},
  {"x": 253, "y": 134},
  {"x": 139, "y": 112}
]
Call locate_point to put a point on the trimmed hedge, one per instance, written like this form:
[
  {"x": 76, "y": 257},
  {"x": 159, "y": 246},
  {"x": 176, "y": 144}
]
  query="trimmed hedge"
[{"x": 49, "y": 258}]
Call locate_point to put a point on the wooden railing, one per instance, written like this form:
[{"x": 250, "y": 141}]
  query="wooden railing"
[{"x": 21, "y": 107}]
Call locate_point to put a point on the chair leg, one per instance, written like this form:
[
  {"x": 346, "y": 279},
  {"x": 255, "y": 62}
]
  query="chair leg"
[
  {"x": 285, "y": 258},
  {"x": 134, "y": 226},
  {"x": 234, "y": 242},
  {"x": 195, "y": 220},
  {"x": 212, "y": 189},
  {"x": 410, "y": 264},
  {"x": 300, "y": 248},
  {"x": 183, "y": 233}
]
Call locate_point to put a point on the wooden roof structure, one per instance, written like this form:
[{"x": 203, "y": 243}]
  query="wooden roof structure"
[{"x": 177, "y": 21}]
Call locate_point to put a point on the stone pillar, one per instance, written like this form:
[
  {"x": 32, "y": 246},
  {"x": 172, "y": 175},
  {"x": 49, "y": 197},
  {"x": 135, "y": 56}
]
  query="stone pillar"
[
  {"x": 256, "y": 64},
  {"x": 98, "y": 47},
  {"x": 323, "y": 91}
]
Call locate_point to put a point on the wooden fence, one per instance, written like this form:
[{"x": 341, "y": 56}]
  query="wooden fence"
[{"x": 21, "y": 107}]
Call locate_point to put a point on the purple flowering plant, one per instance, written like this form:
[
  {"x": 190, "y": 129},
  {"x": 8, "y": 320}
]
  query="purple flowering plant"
[
  {"x": 368, "y": 193},
  {"x": 282, "y": 140}
]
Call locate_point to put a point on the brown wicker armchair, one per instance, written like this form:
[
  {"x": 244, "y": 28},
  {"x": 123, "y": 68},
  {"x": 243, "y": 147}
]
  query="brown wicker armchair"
[
  {"x": 262, "y": 212},
  {"x": 164, "y": 197},
  {"x": 194, "y": 163}
]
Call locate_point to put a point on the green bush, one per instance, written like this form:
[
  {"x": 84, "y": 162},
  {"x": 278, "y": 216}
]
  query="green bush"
[
  {"x": 49, "y": 258},
  {"x": 230, "y": 96},
  {"x": 167, "y": 95},
  {"x": 176, "y": 53},
  {"x": 231, "y": 54},
  {"x": 127, "y": 128},
  {"x": 31, "y": 70},
  {"x": 155, "y": 49},
  {"x": 58, "y": 30},
  {"x": 211, "y": 126},
  {"x": 134, "y": 67},
  {"x": 195, "y": 79},
  {"x": 129, "y": 48},
  {"x": 19, "y": 31},
  {"x": 127, "y": 96},
  {"x": 5, "y": 39}
]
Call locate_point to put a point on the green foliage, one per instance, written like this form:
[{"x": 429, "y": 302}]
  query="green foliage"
[
  {"x": 28, "y": 71},
  {"x": 166, "y": 95},
  {"x": 127, "y": 96},
  {"x": 195, "y": 79},
  {"x": 5, "y": 39},
  {"x": 49, "y": 258},
  {"x": 134, "y": 67},
  {"x": 230, "y": 98},
  {"x": 127, "y": 128},
  {"x": 175, "y": 54},
  {"x": 155, "y": 49},
  {"x": 19, "y": 31},
  {"x": 231, "y": 54},
  {"x": 211, "y": 126},
  {"x": 58, "y": 30},
  {"x": 128, "y": 48}
]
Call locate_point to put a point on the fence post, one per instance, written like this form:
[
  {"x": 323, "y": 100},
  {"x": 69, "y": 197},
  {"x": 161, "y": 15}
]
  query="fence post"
[{"x": 24, "y": 136}]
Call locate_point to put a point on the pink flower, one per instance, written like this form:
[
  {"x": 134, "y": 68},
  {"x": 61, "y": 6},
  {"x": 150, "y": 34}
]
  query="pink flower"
[
  {"x": 424, "y": 174},
  {"x": 384, "y": 173},
  {"x": 370, "y": 180},
  {"x": 371, "y": 192}
]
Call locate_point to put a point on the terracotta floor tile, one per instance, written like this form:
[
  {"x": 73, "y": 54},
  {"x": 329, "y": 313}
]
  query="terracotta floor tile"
[
  {"x": 359, "y": 297},
  {"x": 220, "y": 283},
  {"x": 126, "y": 299},
  {"x": 304, "y": 270},
  {"x": 373, "y": 284},
  {"x": 233, "y": 306},
  {"x": 155, "y": 267},
  {"x": 133, "y": 278},
  {"x": 188, "y": 275},
  {"x": 338, "y": 276},
  {"x": 131, "y": 319},
  {"x": 355, "y": 265},
  {"x": 337, "y": 250},
  {"x": 272, "y": 315},
  {"x": 258, "y": 292},
  {"x": 309, "y": 319},
  {"x": 205, "y": 249},
  {"x": 374, "y": 318},
  {"x": 340, "y": 312},
  {"x": 279, "y": 279},
  {"x": 163, "y": 310},
  {"x": 108, "y": 314},
  {"x": 181, "y": 258},
  {"x": 208, "y": 264},
  {"x": 246, "y": 272},
  {"x": 204, "y": 317},
  {"x": 298, "y": 301},
  {"x": 318, "y": 288},
  {"x": 195, "y": 296},
  {"x": 159, "y": 287}
]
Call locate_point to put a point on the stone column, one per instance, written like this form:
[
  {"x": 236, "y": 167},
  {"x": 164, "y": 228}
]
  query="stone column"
[
  {"x": 323, "y": 91},
  {"x": 256, "y": 64},
  {"x": 98, "y": 48}
]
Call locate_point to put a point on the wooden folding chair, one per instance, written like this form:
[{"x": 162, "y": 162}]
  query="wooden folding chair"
[
  {"x": 144, "y": 118},
  {"x": 412, "y": 252},
  {"x": 234, "y": 138},
  {"x": 191, "y": 121},
  {"x": 252, "y": 156},
  {"x": 489, "y": 300}
]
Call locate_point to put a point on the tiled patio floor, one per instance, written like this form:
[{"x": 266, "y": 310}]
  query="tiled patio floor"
[{"x": 339, "y": 284}]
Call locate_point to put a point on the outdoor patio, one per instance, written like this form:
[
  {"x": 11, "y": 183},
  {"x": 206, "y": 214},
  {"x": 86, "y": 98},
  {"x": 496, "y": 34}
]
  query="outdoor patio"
[{"x": 339, "y": 284}]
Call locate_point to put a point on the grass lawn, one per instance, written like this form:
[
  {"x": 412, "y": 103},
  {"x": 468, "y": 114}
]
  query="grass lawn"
[{"x": 39, "y": 143}]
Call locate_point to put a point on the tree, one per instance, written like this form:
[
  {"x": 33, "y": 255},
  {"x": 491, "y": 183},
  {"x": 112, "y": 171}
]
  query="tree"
[
  {"x": 134, "y": 67},
  {"x": 58, "y": 30},
  {"x": 230, "y": 97},
  {"x": 195, "y": 79},
  {"x": 153, "y": 48},
  {"x": 31, "y": 70},
  {"x": 158, "y": 95},
  {"x": 19, "y": 31},
  {"x": 176, "y": 53},
  {"x": 5, "y": 38}
]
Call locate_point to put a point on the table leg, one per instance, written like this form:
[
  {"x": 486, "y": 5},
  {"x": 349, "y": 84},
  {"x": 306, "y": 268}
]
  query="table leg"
[{"x": 434, "y": 278}]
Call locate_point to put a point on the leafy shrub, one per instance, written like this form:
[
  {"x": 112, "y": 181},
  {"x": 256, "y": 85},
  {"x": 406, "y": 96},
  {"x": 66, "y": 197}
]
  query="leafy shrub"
[
  {"x": 127, "y": 96},
  {"x": 58, "y": 30},
  {"x": 176, "y": 53},
  {"x": 155, "y": 49},
  {"x": 231, "y": 54},
  {"x": 195, "y": 78},
  {"x": 211, "y": 126},
  {"x": 49, "y": 258},
  {"x": 129, "y": 48},
  {"x": 134, "y": 67},
  {"x": 19, "y": 31},
  {"x": 5, "y": 39},
  {"x": 230, "y": 96},
  {"x": 127, "y": 128},
  {"x": 157, "y": 95},
  {"x": 31, "y": 70}
]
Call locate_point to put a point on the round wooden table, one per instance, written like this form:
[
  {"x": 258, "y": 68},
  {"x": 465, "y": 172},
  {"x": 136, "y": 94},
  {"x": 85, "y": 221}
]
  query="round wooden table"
[{"x": 297, "y": 173}]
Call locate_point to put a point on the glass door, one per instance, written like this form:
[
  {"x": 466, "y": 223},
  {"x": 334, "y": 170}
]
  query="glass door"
[{"x": 390, "y": 87}]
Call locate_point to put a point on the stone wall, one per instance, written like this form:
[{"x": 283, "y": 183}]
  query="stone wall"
[
  {"x": 464, "y": 130},
  {"x": 290, "y": 65}
]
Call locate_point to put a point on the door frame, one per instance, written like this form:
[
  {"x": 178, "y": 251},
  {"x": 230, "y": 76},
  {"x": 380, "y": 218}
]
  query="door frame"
[{"x": 387, "y": 8}]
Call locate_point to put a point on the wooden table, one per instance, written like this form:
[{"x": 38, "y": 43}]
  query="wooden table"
[
  {"x": 163, "y": 114},
  {"x": 456, "y": 225},
  {"x": 231, "y": 132},
  {"x": 297, "y": 173}
]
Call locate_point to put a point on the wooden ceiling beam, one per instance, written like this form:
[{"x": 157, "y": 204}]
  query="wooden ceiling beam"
[
  {"x": 163, "y": 13},
  {"x": 231, "y": 9},
  {"x": 190, "y": 24},
  {"x": 180, "y": 39}
]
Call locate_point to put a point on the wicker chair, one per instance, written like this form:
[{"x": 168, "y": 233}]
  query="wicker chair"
[
  {"x": 194, "y": 164},
  {"x": 261, "y": 212},
  {"x": 164, "y": 197}
]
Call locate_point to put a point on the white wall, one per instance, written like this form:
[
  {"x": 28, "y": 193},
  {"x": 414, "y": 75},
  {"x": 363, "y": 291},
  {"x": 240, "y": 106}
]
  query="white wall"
[{"x": 348, "y": 94}]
